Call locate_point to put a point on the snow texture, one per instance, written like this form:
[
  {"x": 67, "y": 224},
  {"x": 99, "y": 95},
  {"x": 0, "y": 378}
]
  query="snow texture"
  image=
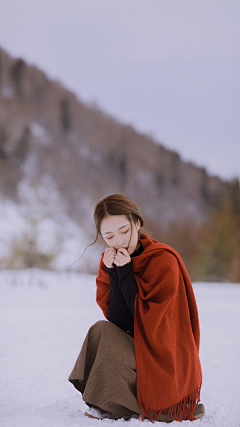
[{"x": 44, "y": 319}]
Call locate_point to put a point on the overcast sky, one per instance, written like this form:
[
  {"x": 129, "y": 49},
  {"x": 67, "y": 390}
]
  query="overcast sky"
[{"x": 171, "y": 68}]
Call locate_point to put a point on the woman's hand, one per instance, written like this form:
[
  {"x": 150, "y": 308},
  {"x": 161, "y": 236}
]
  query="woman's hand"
[
  {"x": 109, "y": 257},
  {"x": 122, "y": 257}
]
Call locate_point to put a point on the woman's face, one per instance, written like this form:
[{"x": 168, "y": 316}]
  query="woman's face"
[{"x": 117, "y": 232}]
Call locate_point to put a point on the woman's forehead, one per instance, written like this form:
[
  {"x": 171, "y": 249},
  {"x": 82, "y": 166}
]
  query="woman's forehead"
[{"x": 114, "y": 223}]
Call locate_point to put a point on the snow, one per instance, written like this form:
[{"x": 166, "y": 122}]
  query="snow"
[
  {"x": 44, "y": 318},
  {"x": 40, "y": 133}
]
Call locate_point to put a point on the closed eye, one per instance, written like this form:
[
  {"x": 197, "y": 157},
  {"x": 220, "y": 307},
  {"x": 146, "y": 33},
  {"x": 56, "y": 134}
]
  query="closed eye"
[{"x": 124, "y": 232}]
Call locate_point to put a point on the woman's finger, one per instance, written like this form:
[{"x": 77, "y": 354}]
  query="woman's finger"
[{"x": 121, "y": 259}]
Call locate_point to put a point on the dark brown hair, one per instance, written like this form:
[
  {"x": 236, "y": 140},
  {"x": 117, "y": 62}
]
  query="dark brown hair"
[{"x": 116, "y": 204}]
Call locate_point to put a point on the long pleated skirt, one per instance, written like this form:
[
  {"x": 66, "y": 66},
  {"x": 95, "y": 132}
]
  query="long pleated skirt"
[{"x": 105, "y": 371}]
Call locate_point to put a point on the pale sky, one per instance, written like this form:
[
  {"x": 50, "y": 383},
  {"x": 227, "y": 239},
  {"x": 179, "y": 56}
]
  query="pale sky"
[{"x": 170, "y": 68}]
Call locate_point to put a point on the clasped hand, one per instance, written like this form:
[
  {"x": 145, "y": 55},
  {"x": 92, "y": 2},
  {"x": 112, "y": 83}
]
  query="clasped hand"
[{"x": 118, "y": 257}]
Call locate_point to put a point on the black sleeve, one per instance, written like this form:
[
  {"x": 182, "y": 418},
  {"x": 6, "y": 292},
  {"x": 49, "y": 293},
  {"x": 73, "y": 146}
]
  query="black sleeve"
[
  {"x": 127, "y": 284},
  {"x": 118, "y": 312}
]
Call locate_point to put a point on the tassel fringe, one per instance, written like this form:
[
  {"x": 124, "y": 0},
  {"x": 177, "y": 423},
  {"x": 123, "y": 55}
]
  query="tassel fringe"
[{"x": 183, "y": 410}]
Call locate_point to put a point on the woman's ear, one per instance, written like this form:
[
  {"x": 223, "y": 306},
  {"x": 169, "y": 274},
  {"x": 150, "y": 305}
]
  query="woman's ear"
[{"x": 138, "y": 225}]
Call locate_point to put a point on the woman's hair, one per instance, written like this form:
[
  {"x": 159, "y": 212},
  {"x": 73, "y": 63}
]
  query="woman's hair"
[{"x": 116, "y": 204}]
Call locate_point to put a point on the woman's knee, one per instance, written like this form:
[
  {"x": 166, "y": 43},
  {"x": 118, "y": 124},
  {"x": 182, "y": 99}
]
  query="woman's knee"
[
  {"x": 99, "y": 326},
  {"x": 104, "y": 327}
]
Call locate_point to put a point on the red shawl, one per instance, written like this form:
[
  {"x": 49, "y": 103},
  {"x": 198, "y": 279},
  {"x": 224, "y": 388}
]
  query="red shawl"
[{"x": 166, "y": 331}]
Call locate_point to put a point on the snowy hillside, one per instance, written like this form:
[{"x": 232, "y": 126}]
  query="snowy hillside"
[
  {"x": 37, "y": 231},
  {"x": 44, "y": 319}
]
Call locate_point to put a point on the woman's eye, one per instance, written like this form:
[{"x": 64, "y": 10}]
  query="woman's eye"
[
  {"x": 108, "y": 238},
  {"x": 125, "y": 232}
]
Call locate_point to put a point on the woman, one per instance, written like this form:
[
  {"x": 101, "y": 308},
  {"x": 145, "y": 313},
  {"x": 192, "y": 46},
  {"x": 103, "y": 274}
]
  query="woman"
[{"x": 144, "y": 360}]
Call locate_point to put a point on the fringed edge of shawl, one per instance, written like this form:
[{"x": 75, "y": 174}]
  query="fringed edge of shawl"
[{"x": 181, "y": 411}]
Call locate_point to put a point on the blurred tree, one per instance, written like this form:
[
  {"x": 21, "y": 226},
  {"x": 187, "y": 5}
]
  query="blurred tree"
[
  {"x": 234, "y": 189},
  {"x": 175, "y": 169},
  {"x": 37, "y": 248},
  {"x": 204, "y": 191},
  {"x": 65, "y": 115},
  {"x": 22, "y": 147},
  {"x": 219, "y": 241},
  {"x": 0, "y": 70},
  {"x": 3, "y": 139},
  {"x": 17, "y": 74},
  {"x": 183, "y": 238}
]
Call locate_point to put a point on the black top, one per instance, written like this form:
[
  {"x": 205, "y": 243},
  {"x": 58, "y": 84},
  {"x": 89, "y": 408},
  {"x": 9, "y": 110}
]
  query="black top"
[{"x": 123, "y": 290}]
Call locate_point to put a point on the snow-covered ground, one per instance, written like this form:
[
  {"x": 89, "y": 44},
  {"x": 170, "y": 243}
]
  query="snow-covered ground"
[{"x": 44, "y": 319}]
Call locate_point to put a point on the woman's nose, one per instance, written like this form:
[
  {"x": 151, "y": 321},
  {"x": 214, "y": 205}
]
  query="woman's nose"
[{"x": 120, "y": 241}]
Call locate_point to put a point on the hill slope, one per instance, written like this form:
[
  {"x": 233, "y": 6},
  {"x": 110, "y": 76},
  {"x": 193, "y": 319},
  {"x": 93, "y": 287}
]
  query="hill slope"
[{"x": 47, "y": 135}]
